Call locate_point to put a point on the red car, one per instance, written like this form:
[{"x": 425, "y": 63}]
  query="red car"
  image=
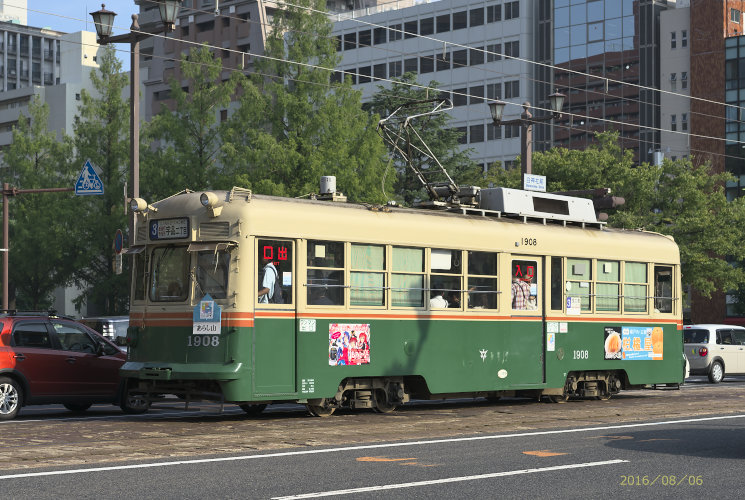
[{"x": 48, "y": 359}]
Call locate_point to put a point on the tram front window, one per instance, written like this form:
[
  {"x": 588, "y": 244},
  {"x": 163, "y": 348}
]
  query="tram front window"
[
  {"x": 170, "y": 274},
  {"x": 212, "y": 273}
]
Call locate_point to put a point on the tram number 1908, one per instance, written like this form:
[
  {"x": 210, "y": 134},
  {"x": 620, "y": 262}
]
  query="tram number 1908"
[
  {"x": 202, "y": 341},
  {"x": 581, "y": 354}
]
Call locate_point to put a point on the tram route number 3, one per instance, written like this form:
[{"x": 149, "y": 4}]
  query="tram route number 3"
[{"x": 202, "y": 341}]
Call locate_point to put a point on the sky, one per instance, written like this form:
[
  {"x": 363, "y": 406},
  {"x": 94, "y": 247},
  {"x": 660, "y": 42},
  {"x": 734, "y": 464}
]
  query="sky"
[{"x": 70, "y": 16}]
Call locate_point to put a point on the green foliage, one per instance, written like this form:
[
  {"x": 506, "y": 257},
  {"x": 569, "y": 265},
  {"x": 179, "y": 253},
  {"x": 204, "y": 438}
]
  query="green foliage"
[
  {"x": 188, "y": 137},
  {"x": 292, "y": 126},
  {"x": 435, "y": 133},
  {"x": 678, "y": 198},
  {"x": 102, "y": 136},
  {"x": 42, "y": 253}
]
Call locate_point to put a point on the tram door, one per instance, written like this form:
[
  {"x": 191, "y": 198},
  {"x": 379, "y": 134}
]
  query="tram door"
[
  {"x": 526, "y": 339},
  {"x": 274, "y": 353}
]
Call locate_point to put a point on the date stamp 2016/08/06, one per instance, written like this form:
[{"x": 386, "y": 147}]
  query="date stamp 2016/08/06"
[{"x": 662, "y": 480}]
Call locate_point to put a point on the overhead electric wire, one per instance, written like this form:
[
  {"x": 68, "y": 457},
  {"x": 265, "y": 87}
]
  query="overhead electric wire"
[{"x": 416, "y": 85}]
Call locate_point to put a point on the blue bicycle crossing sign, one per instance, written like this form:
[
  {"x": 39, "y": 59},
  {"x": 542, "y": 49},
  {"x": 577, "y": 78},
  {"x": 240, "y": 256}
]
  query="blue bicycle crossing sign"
[{"x": 89, "y": 182}]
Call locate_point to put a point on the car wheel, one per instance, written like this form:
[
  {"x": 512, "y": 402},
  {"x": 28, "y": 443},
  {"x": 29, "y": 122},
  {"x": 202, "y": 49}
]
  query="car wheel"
[
  {"x": 77, "y": 407},
  {"x": 716, "y": 372},
  {"x": 11, "y": 397}
]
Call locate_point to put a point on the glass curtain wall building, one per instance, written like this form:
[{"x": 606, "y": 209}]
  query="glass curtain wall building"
[
  {"x": 734, "y": 71},
  {"x": 614, "y": 42}
]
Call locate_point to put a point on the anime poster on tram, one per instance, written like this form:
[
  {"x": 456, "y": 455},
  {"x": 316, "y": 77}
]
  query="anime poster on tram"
[{"x": 349, "y": 344}]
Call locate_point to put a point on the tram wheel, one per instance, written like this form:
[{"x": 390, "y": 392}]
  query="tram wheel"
[
  {"x": 253, "y": 410},
  {"x": 604, "y": 395},
  {"x": 382, "y": 403},
  {"x": 322, "y": 410},
  {"x": 558, "y": 398}
]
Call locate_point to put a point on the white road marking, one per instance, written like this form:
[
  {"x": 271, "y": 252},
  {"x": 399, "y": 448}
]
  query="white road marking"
[
  {"x": 449, "y": 480},
  {"x": 361, "y": 447}
]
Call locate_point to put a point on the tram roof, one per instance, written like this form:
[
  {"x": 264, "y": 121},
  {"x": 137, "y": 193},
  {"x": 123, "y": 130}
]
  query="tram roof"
[{"x": 273, "y": 216}]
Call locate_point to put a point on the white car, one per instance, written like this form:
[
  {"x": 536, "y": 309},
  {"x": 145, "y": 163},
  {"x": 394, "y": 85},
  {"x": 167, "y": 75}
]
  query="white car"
[{"x": 714, "y": 350}]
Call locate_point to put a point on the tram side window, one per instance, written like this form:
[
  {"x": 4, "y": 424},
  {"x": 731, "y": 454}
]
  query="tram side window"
[
  {"x": 170, "y": 274},
  {"x": 407, "y": 278},
  {"x": 482, "y": 280},
  {"x": 212, "y": 273},
  {"x": 524, "y": 289},
  {"x": 140, "y": 275},
  {"x": 278, "y": 253},
  {"x": 325, "y": 273},
  {"x": 635, "y": 287},
  {"x": 367, "y": 276},
  {"x": 608, "y": 285},
  {"x": 579, "y": 282},
  {"x": 445, "y": 279},
  {"x": 663, "y": 289},
  {"x": 557, "y": 278}
]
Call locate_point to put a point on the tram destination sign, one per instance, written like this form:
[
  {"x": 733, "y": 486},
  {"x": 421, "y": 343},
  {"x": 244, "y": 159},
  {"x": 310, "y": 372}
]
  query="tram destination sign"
[{"x": 169, "y": 229}]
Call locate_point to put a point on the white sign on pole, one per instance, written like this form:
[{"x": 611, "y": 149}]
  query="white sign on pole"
[{"x": 534, "y": 182}]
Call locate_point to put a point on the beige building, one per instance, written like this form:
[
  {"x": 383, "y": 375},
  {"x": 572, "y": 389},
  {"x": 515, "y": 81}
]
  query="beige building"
[{"x": 236, "y": 26}]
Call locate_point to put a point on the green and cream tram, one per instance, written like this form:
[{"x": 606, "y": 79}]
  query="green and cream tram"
[{"x": 382, "y": 304}]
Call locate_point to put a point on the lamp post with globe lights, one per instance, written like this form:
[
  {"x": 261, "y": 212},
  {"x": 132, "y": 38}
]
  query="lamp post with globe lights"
[
  {"x": 526, "y": 121},
  {"x": 104, "y": 21}
]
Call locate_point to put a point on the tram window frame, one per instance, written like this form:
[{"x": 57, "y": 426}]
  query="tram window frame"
[
  {"x": 326, "y": 269},
  {"x": 356, "y": 297},
  {"x": 177, "y": 289},
  {"x": 577, "y": 279},
  {"x": 221, "y": 258},
  {"x": 479, "y": 276},
  {"x": 403, "y": 268},
  {"x": 139, "y": 262},
  {"x": 631, "y": 281},
  {"x": 663, "y": 303},
  {"x": 607, "y": 269},
  {"x": 519, "y": 272},
  {"x": 448, "y": 284},
  {"x": 287, "y": 290},
  {"x": 557, "y": 283}
]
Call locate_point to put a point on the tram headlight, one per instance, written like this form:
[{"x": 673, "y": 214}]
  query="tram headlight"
[
  {"x": 211, "y": 202},
  {"x": 137, "y": 205}
]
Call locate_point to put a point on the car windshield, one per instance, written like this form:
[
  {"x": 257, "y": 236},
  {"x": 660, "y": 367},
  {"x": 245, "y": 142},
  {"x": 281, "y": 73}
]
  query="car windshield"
[{"x": 695, "y": 336}]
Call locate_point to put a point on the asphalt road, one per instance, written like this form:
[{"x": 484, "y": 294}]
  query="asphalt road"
[{"x": 661, "y": 443}]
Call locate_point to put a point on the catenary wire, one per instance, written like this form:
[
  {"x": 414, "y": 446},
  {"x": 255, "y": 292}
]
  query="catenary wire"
[{"x": 415, "y": 85}]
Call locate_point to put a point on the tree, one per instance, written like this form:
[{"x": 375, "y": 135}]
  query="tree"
[
  {"x": 102, "y": 136},
  {"x": 42, "y": 250},
  {"x": 678, "y": 198},
  {"x": 293, "y": 125},
  {"x": 188, "y": 137},
  {"x": 433, "y": 129}
]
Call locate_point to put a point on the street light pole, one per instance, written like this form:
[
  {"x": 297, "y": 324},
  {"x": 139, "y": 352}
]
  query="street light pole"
[
  {"x": 103, "y": 20},
  {"x": 525, "y": 122}
]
